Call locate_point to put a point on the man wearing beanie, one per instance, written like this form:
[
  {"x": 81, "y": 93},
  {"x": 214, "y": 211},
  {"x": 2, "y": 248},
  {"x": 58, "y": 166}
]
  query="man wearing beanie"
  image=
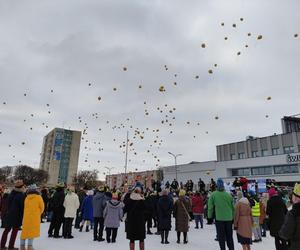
[
  {"x": 220, "y": 207},
  {"x": 14, "y": 215},
  {"x": 290, "y": 229}
]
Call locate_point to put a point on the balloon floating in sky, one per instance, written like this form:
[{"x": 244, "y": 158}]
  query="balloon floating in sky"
[{"x": 162, "y": 89}]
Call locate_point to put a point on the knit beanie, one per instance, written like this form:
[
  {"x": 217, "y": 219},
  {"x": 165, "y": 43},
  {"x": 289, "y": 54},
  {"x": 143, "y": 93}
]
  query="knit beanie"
[{"x": 220, "y": 184}]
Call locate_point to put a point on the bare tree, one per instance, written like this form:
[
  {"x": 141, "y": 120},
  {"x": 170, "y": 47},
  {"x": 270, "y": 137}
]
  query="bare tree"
[
  {"x": 86, "y": 178},
  {"x": 30, "y": 175},
  {"x": 5, "y": 173}
]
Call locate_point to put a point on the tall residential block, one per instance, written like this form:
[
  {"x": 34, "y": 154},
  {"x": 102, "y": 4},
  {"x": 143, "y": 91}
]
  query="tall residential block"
[{"x": 60, "y": 155}]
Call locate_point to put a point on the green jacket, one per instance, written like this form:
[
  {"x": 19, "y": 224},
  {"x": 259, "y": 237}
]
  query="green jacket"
[{"x": 220, "y": 206}]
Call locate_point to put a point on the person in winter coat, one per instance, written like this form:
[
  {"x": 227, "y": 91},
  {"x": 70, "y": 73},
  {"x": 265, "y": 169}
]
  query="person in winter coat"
[
  {"x": 244, "y": 184},
  {"x": 262, "y": 218},
  {"x": 201, "y": 186},
  {"x": 45, "y": 197},
  {"x": 57, "y": 203},
  {"x": 87, "y": 211},
  {"x": 220, "y": 206},
  {"x": 198, "y": 209},
  {"x": 212, "y": 185},
  {"x": 81, "y": 195},
  {"x": 33, "y": 209},
  {"x": 182, "y": 207},
  {"x": 71, "y": 204},
  {"x": 15, "y": 211},
  {"x": 276, "y": 210},
  {"x": 135, "y": 221},
  {"x": 164, "y": 211},
  {"x": 243, "y": 223},
  {"x": 113, "y": 214},
  {"x": 4, "y": 207},
  {"x": 290, "y": 230},
  {"x": 174, "y": 185},
  {"x": 149, "y": 211},
  {"x": 99, "y": 203},
  {"x": 255, "y": 206}
]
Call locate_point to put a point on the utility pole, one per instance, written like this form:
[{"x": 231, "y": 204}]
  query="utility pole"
[{"x": 126, "y": 153}]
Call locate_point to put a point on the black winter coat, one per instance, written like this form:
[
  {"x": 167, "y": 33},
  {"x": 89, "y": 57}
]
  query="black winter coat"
[
  {"x": 276, "y": 209},
  {"x": 58, "y": 202},
  {"x": 291, "y": 227},
  {"x": 164, "y": 210},
  {"x": 15, "y": 209},
  {"x": 135, "y": 221}
]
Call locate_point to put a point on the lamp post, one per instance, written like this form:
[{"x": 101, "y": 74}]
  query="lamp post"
[{"x": 175, "y": 158}]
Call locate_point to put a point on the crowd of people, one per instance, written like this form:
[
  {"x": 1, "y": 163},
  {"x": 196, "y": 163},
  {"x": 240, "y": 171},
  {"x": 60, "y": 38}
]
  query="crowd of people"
[{"x": 100, "y": 210}]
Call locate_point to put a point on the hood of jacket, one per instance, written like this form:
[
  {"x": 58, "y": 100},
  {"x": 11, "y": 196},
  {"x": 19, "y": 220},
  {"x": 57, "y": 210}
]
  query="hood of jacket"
[
  {"x": 32, "y": 196},
  {"x": 99, "y": 196},
  {"x": 114, "y": 204},
  {"x": 136, "y": 196}
]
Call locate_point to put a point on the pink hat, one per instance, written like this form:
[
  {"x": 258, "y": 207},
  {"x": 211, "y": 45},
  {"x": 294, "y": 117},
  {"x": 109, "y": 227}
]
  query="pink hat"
[{"x": 272, "y": 191}]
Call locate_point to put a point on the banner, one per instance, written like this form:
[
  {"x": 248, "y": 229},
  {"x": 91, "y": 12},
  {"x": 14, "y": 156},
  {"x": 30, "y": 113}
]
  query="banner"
[{"x": 262, "y": 185}]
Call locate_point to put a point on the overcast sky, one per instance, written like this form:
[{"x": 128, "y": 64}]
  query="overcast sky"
[{"x": 64, "y": 45}]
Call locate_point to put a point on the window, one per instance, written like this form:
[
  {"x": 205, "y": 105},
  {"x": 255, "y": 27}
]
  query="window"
[
  {"x": 254, "y": 154},
  {"x": 288, "y": 150},
  {"x": 261, "y": 171},
  {"x": 241, "y": 172},
  {"x": 232, "y": 157},
  {"x": 241, "y": 155},
  {"x": 286, "y": 169},
  {"x": 275, "y": 151},
  {"x": 264, "y": 152}
]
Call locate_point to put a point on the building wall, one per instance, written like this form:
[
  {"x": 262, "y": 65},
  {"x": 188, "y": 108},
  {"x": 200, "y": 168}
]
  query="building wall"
[
  {"x": 193, "y": 171},
  {"x": 259, "y": 147},
  {"x": 74, "y": 156},
  {"x": 224, "y": 168},
  {"x": 59, "y": 156}
]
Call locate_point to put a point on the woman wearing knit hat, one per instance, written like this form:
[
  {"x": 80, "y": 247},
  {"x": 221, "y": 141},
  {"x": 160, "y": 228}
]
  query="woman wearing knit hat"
[
  {"x": 182, "y": 207},
  {"x": 71, "y": 204},
  {"x": 243, "y": 223},
  {"x": 135, "y": 221},
  {"x": 14, "y": 218},
  {"x": 290, "y": 229},
  {"x": 87, "y": 211},
  {"x": 33, "y": 209},
  {"x": 113, "y": 214}
]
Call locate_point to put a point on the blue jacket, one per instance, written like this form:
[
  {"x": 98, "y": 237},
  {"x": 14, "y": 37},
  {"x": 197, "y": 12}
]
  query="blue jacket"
[{"x": 87, "y": 208}]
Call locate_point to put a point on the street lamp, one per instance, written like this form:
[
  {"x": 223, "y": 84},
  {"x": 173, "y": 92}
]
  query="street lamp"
[{"x": 175, "y": 158}]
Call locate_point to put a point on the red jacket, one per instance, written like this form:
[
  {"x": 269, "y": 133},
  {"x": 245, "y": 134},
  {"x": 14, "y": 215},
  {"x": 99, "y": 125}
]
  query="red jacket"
[
  {"x": 197, "y": 205},
  {"x": 244, "y": 183}
]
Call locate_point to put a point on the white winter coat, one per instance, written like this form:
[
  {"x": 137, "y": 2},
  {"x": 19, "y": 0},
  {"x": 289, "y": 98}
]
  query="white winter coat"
[{"x": 71, "y": 205}]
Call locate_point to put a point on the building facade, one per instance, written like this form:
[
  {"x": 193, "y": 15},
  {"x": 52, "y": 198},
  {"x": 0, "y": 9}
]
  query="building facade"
[
  {"x": 60, "y": 155},
  {"x": 272, "y": 157}
]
